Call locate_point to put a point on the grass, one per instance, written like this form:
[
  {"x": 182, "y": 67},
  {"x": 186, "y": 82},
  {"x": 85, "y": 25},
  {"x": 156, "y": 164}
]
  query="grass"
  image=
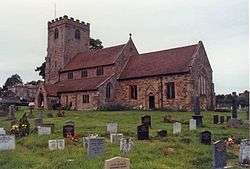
[{"x": 187, "y": 153}]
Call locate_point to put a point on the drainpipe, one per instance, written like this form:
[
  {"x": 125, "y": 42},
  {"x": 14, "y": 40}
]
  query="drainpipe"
[{"x": 161, "y": 88}]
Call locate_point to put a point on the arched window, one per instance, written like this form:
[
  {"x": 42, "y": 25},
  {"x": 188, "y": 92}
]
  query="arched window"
[
  {"x": 77, "y": 34},
  {"x": 56, "y": 34},
  {"x": 108, "y": 90}
]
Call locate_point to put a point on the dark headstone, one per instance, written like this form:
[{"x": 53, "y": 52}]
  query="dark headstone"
[
  {"x": 228, "y": 118},
  {"x": 216, "y": 119},
  {"x": 222, "y": 119},
  {"x": 219, "y": 155},
  {"x": 143, "y": 132},
  {"x": 234, "y": 106},
  {"x": 146, "y": 120},
  {"x": 162, "y": 133},
  {"x": 206, "y": 137},
  {"x": 68, "y": 130},
  {"x": 197, "y": 109},
  {"x": 198, "y": 119}
]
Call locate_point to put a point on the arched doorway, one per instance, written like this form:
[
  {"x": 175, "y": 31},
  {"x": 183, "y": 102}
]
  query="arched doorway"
[{"x": 151, "y": 102}]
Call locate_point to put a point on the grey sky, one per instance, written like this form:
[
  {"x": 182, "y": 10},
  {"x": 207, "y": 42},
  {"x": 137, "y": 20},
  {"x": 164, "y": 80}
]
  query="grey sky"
[{"x": 222, "y": 25}]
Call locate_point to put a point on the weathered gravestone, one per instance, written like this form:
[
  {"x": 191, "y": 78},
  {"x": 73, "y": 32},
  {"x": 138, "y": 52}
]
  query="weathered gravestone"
[
  {"x": 234, "y": 123},
  {"x": 143, "y": 132},
  {"x": 219, "y": 155},
  {"x": 197, "y": 111},
  {"x": 52, "y": 144},
  {"x": 7, "y": 142},
  {"x": 68, "y": 129},
  {"x": 206, "y": 137},
  {"x": 244, "y": 156},
  {"x": 117, "y": 163},
  {"x": 112, "y": 128},
  {"x": 176, "y": 128},
  {"x": 11, "y": 114},
  {"x": 56, "y": 144},
  {"x": 192, "y": 124},
  {"x": 146, "y": 120},
  {"x": 228, "y": 118},
  {"x": 94, "y": 146},
  {"x": 222, "y": 119},
  {"x": 51, "y": 125},
  {"x": 44, "y": 130},
  {"x": 216, "y": 119},
  {"x": 2, "y": 131},
  {"x": 115, "y": 137},
  {"x": 162, "y": 133},
  {"x": 126, "y": 145},
  {"x": 60, "y": 144}
]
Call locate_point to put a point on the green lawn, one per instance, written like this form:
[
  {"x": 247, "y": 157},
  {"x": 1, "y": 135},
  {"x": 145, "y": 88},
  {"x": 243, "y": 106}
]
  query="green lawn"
[{"x": 33, "y": 152}]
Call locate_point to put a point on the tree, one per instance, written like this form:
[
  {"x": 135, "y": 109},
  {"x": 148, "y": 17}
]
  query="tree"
[
  {"x": 12, "y": 81},
  {"x": 41, "y": 70},
  {"x": 95, "y": 43}
]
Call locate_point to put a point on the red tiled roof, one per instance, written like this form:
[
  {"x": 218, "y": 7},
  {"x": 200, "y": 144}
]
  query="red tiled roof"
[
  {"x": 86, "y": 84},
  {"x": 163, "y": 62},
  {"x": 105, "y": 56}
]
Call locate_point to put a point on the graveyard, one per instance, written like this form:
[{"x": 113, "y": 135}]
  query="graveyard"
[{"x": 172, "y": 149}]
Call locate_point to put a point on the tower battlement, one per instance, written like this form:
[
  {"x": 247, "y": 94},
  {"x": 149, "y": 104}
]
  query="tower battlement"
[{"x": 66, "y": 20}]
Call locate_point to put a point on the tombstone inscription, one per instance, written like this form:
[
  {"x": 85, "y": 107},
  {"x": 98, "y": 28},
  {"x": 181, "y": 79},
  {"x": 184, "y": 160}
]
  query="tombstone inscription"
[
  {"x": 44, "y": 130},
  {"x": 94, "y": 146},
  {"x": 117, "y": 163}
]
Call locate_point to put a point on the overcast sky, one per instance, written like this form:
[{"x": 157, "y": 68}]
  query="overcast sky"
[{"x": 222, "y": 25}]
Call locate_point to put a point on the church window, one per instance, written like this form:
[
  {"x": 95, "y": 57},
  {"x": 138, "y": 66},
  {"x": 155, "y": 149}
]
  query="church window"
[
  {"x": 133, "y": 92},
  {"x": 85, "y": 98},
  {"x": 84, "y": 73},
  {"x": 99, "y": 70},
  {"x": 56, "y": 34},
  {"x": 70, "y": 75},
  {"x": 170, "y": 92},
  {"x": 77, "y": 34}
]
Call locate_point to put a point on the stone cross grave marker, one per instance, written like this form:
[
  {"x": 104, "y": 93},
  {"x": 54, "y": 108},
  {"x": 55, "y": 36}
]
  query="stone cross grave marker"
[
  {"x": 162, "y": 133},
  {"x": 206, "y": 137},
  {"x": 146, "y": 120},
  {"x": 112, "y": 127},
  {"x": 222, "y": 119},
  {"x": 115, "y": 137},
  {"x": 117, "y": 163},
  {"x": 56, "y": 144},
  {"x": 176, "y": 128},
  {"x": 7, "y": 142},
  {"x": 126, "y": 145},
  {"x": 42, "y": 130},
  {"x": 192, "y": 124},
  {"x": 216, "y": 119},
  {"x": 94, "y": 146},
  {"x": 219, "y": 155},
  {"x": 68, "y": 129},
  {"x": 244, "y": 156},
  {"x": 143, "y": 132},
  {"x": 2, "y": 131}
]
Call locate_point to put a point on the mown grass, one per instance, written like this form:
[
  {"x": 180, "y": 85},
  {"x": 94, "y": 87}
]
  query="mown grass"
[{"x": 188, "y": 153}]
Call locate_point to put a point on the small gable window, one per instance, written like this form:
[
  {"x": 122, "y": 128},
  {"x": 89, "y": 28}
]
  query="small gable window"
[
  {"x": 84, "y": 73},
  {"x": 108, "y": 90},
  {"x": 99, "y": 71},
  {"x": 133, "y": 92},
  {"x": 70, "y": 75},
  {"x": 170, "y": 92},
  {"x": 85, "y": 98},
  {"x": 77, "y": 34},
  {"x": 56, "y": 33}
]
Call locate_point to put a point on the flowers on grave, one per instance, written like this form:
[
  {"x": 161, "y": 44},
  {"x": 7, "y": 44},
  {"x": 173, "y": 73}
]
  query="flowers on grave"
[
  {"x": 75, "y": 138},
  {"x": 21, "y": 128},
  {"x": 230, "y": 141}
]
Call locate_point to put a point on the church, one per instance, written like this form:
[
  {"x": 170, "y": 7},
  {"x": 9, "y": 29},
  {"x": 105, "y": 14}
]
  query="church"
[{"x": 80, "y": 78}]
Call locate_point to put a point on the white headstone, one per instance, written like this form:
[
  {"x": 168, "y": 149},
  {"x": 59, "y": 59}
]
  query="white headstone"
[
  {"x": 60, "y": 144},
  {"x": 115, "y": 137},
  {"x": 176, "y": 127},
  {"x": 117, "y": 163},
  {"x": 52, "y": 144},
  {"x": 244, "y": 156},
  {"x": 112, "y": 127},
  {"x": 44, "y": 130},
  {"x": 192, "y": 124},
  {"x": 2, "y": 131},
  {"x": 7, "y": 142},
  {"x": 126, "y": 145}
]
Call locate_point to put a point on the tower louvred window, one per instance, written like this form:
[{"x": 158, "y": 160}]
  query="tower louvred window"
[
  {"x": 77, "y": 34},
  {"x": 56, "y": 34}
]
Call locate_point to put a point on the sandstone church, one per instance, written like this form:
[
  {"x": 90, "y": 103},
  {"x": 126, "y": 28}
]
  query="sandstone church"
[{"x": 82, "y": 78}]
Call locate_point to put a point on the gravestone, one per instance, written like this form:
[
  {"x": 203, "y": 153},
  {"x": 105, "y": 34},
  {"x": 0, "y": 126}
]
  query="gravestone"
[
  {"x": 222, "y": 119},
  {"x": 206, "y": 137},
  {"x": 115, "y": 137},
  {"x": 244, "y": 156},
  {"x": 197, "y": 111},
  {"x": 176, "y": 128},
  {"x": 216, "y": 119},
  {"x": 234, "y": 123},
  {"x": 228, "y": 118},
  {"x": 126, "y": 145},
  {"x": 56, "y": 144},
  {"x": 112, "y": 127},
  {"x": 38, "y": 121},
  {"x": 117, "y": 163},
  {"x": 7, "y": 142},
  {"x": 2, "y": 131},
  {"x": 94, "y": 146},
  {"x": 146, "y": 120},
  {"x": 60, "y": 144},
  {"x": 219, "y": 155},
  {"x": 234, "y": 106},
  {"x": 44, "y": 130},
  {"x": 162, "y": 133},
  {"x": 51, "y": 125},
  {"x": 143, "y": 132},
  {"x": 52, "y": 144},
  {"x": 68, "y": 130},
  {"x": 11, "y": 114},
  {"x": 192, "y": 124}
]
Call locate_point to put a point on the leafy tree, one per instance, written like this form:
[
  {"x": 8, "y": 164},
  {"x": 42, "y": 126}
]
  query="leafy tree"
[
  {"x": 41, "y": 70},
  {"x": 95, "y": 44},
  {"x": 13, "y": 80},
  {"x": 244, "y": 99}
]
